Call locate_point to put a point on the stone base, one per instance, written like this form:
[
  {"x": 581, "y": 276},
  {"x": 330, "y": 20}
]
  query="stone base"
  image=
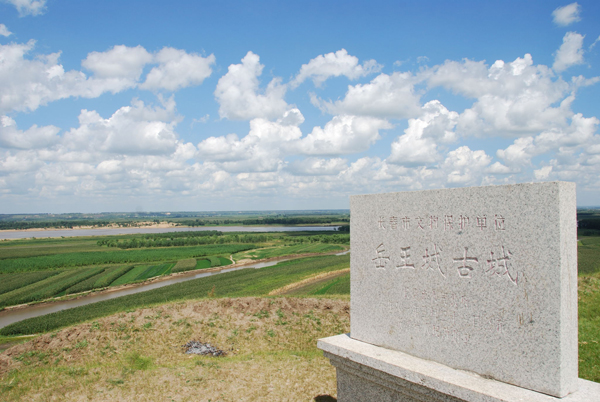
[{"x": 371, "y": 373}]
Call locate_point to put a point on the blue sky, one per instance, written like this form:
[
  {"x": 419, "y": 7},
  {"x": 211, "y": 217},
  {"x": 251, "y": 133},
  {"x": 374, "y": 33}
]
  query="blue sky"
[{"x": 252, "y": 105}]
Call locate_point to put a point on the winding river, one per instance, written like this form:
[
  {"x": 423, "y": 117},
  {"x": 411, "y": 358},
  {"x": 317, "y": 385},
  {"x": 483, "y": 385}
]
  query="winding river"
[{"x": 13, "y": 315}]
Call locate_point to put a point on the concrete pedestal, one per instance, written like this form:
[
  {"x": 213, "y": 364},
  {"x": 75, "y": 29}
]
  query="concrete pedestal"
[{"x": 371, "y": 373}]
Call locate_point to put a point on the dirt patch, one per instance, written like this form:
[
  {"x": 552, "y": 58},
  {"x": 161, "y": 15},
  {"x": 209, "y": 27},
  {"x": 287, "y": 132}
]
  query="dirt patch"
[{"x": 270, "y": 345}]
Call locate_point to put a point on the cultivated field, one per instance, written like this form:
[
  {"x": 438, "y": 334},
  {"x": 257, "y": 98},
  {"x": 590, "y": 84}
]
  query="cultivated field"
[{"x": 39, "y": 269}]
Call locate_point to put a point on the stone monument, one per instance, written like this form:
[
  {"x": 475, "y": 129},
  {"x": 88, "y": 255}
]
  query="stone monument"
[{"x": 465, "y": 294}]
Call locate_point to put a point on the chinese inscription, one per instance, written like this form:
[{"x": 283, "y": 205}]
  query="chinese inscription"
[{"x": 450, "y": 222}]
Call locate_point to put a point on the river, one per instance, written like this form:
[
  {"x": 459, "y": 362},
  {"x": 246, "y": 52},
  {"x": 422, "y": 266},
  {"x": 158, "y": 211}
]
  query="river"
[
  {"x": 24, "y": 234},
  {"x": 9, "y": 316}
]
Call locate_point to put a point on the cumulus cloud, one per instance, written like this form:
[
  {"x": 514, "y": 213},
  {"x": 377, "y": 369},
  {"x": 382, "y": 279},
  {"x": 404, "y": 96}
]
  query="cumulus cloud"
[
  {"x": 28, "y": 83},
  {"x": 579, "y": 134},
  {"x": 268, "y": 143},
  {"x": 566, "y": 15},
  {"x": 342, "y": 135},
  {"x": 542, "y": 173},
  {"x": 419, "y": 144},
  {"x": 239, "y": 95},
  {"x": 34, "y": 137},
  {"x": 335, "y": 64},
  {"x": 570, "y": 52},
  {"x": 28, "y": 7},
  {"x": 386, "y": 96},
  {"x": 317, "y": 166},
  {"x": 465, "y": 166},
  {"x": 4, "y": 30},
  {"x": 260, "y": 150},
  {"x": 512, "y": 99},
  {"x": 119, "y": 62},
  {"x": 131, "y": 130},
  {"x": 178, "y": 69}
]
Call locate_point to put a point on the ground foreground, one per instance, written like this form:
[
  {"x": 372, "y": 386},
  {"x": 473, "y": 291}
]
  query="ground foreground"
[{"x": 138, "y": 355}]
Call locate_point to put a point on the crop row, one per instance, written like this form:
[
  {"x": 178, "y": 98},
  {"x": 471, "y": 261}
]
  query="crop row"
[
  {"x": 180, "y": 241},
  {"x": 100, "y": 280},
  {"x": 48, "y": 287},
  {"x": 280, "y": 251},
  {"x": 185, "y": 265},
  {"x": 154, "y": 270},
  {"x": 10, "y": 282},
  {"x": 245, "y": 282},
  {"x": 116, "y": 257}
]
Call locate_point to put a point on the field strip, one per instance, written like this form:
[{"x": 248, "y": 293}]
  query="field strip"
[
  {"x": 313, "y": 278},
  {"x": 100, "y": 291}
]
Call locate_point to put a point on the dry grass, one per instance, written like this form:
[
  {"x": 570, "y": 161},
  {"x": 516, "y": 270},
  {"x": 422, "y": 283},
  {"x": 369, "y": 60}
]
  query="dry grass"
[{"x": 134, "y": 356}]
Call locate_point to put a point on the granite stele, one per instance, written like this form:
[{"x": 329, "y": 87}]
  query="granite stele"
[{"x": 465, "y": 294}]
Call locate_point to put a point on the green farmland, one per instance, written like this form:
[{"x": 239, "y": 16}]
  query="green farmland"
[{"x": 34, "y": 270}]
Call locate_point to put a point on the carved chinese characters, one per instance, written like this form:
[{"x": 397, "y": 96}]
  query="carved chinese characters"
[{"x": 472, "y": 278}]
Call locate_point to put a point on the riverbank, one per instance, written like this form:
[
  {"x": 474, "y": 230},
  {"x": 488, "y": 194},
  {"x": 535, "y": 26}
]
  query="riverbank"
[{"x": 12, "y": 314}]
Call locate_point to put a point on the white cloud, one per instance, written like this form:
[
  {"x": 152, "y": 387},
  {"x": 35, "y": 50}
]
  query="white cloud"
[
  {"x": 34, "y": 137},
  {"x": 342, "y": 135},
  {"x": 542, "y": 173},
  {"x": 4, "y": 30},
  {"x": 567, "y": 15},
  {"x": 465, "y": 167},
  {"x": 512, "y": 99},
  {"x": 131, "y": 130},
  {"x": 27, "y": 7},
  {"x": 386, "y": 96},
  {"x": 335, "y": 64},
  {"x": 317, "y": 166},
  {"x": 419, "y": 144},
  {"x": 178, "y": 69},
  {"x": 498, "y": 168},
  {"x": 261, "y": 149},
  {"x": 580, "y": 134},
  {"x": 570, "y": 52},
  {"x": 268, "y": 143},
  {"x": 119, "y": 62},
  {"x": 238, "y": 92},
  {"x": 26, "y": 84}
]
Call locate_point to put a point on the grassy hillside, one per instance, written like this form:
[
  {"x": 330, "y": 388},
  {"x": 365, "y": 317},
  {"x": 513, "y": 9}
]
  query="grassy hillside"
[{"x": 270, "y": 345}]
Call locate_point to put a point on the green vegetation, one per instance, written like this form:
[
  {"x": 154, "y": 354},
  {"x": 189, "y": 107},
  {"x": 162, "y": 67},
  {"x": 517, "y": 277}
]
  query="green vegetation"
[
  {"x": 116, "y": 257},
  {"x": 130, "y": 276},
  {"x": 280, "y": 251},
  {"x": 111, "y": 275},
  {"x": 589, "y": 327},
  {"x": 15, "y": 281},
  {"x": 47, "y": 288},
  {"x": 185, "y": 265},
  {"x": 588, "y": 222},
  {"x": 588, "y": 255},
  {"x": 154, "y": 270},
  {"x": 245, "y": 282},
  {"x": 336, "y": 286},
  {"x": 184, "y": 239}
]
